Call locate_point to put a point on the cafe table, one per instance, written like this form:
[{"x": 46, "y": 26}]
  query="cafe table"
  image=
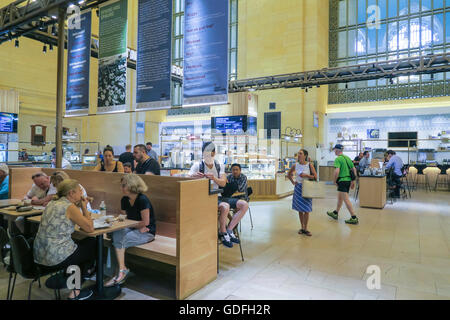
[
  {"x": 8, "y": 202},
  {"x": 100, "y": 292},
  {"x": 12, "y": 215}
]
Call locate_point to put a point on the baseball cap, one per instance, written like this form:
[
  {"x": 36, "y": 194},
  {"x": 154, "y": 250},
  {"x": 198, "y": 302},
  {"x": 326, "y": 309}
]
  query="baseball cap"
[{"x": 339, "y": 147}]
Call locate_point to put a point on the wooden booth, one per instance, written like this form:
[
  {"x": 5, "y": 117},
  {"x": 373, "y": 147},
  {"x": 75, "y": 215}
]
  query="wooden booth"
[{"x": 186, "y": 220}]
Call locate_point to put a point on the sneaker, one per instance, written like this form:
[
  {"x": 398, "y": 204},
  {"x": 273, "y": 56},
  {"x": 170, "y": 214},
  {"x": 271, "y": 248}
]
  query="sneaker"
[
  {"x": 83, "y": 295},
  {"x": 226, "y": 240},
  {"x": 233, "y": 237},
  {"x": 352, "y": 221},
  {"x": 332, "y": 214}
]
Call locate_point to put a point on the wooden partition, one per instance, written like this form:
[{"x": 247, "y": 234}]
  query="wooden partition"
[{"x": 184, "y": 210}]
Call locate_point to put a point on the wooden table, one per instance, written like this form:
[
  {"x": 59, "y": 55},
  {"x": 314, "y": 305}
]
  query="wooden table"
[
  {"x": 100, "y": 292},
  {"x": 8, "y": 202},
  {"x": 372, "y": 191},
  {"x": 12, "y": 215}
]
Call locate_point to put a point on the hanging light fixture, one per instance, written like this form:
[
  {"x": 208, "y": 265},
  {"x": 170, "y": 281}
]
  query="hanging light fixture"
[
  {"x": 54, "y": 30},
  {"x": 16, "y": 43},
  {"x": 51, "y": 47},
  {"x": 44, "y": 49}
]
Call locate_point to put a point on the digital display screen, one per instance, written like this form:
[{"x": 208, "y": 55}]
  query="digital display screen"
[
  {"x": 8, "y": 122},
  {"x": 235, "y": 125},
  {"x": 394, "y": 138},
  {"x": 231, "y": 125}
]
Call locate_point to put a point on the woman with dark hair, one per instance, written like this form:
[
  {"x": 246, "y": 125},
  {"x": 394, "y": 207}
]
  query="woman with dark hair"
[
  {"x": 108, "y": 163},
  {"x": 302, "y": 170}
]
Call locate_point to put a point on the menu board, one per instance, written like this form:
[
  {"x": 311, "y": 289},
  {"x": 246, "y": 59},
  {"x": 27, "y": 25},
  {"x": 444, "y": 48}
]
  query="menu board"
[{"x": 8, "y": 122}]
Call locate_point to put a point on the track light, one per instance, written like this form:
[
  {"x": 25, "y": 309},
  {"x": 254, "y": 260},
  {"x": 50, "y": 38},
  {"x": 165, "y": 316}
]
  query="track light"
[
  {"x": 16, "y": 43},
  {"x": 44, "y": 49},
  {"x": 306, "y": 90},
  {"x": 391, "y": 81},
  {"x": 51, "y": 47},
  {"x": 54, "y": 30},
  {"x": 432, "y": 77},
  {"x": 346, "y": 86}
]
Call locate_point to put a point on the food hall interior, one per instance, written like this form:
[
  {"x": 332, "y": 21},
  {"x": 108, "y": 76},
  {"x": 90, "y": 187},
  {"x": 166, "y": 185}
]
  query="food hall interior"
[{"x": 269, "y": 116}]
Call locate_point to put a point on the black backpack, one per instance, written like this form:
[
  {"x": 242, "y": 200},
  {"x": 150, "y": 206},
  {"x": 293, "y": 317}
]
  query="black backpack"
[{"x": 202, "y": 167}]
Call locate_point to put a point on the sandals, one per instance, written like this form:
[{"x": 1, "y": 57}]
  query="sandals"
[
  {"x": 113, "y": 281},
  {"x": 305, "y": 232}
]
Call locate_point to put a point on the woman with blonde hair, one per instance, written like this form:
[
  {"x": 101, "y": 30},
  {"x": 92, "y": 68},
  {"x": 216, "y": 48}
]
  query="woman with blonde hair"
[
  {"x": 136, "y": 205},
  {"x": 53, "y": 246}
]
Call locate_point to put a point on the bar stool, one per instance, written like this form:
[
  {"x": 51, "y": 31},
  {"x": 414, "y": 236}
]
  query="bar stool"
[
  {"x": 412, "y": 177},
  {"x": 431, "y": 177}
]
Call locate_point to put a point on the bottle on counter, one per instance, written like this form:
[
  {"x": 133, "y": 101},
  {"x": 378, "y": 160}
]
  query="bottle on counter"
[{"x": 103, "y": 208}]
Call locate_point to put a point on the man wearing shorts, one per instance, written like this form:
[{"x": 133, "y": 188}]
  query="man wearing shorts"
[{"x": 343, "y": 180}]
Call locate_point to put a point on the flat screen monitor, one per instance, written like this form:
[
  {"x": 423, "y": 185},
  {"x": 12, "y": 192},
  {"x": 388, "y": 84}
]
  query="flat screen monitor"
[
  {"x": 8, "y": 122},
  {"x": 231, "y": 125},
  {"x": 394, "y": 138}
]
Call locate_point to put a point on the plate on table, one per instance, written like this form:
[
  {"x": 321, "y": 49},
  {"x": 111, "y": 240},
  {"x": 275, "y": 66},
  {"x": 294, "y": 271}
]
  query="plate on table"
[{"x": 100, "y": 224}]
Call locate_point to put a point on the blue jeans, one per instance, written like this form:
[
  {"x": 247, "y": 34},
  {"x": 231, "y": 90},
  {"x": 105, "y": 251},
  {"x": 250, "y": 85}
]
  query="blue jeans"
[{"x": 127, "y": 238}]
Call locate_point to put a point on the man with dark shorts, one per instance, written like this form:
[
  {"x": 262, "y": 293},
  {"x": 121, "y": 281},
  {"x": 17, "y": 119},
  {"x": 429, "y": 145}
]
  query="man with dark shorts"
[{"x": 344, "y": 182}]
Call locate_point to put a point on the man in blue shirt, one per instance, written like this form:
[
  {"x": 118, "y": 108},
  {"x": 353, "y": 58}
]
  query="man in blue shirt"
[
  {"x": 4, "y": 181},
  {"x": 396, "y": 163}
]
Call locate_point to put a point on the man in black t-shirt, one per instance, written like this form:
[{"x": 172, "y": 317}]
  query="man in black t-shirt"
[
  {"x": 146, "y": 165},
  {"x": 127, "y": 156}
]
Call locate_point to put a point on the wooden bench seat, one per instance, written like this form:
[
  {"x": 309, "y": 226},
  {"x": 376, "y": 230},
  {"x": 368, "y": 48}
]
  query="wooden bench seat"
[{"x": 162, "y": 249}]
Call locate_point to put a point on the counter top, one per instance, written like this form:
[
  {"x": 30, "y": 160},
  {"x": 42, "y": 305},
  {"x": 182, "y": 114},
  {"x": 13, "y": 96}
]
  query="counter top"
[{"x": 382, "y": 176}]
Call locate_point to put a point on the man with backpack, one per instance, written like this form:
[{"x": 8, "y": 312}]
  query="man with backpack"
[
  {"x": 214, "y": 171},
  {"x": 344, "y": 178}
]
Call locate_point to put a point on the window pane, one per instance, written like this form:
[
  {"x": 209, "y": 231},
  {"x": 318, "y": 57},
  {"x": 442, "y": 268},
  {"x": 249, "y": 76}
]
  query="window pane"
[
  {"x": 342, "y": 13},
  {"x": 426, "y": 5},
  {"x": 403, "y": 35},
  {"x": 393, "y": 36},
  {"x": 352, "y": 12},
  {"x": 438, "y": 4},
  {"x": 361, "y": 44},
  {"x": 351, "y": 43},
  {"x": 426, "y": 32},
  {"x": 342, "y": 44},
  {"x": 362, "y": 11},
  {"x": 392, "y": 8},
  {"x": 233, "y": 62},
  {"x": 447, "y": 27},
  {"x": 233, "y": 37},
  {"x": 414, "y": 40},
  {"x": 383, "y": 8},
  {"x": 415, "y": 6},
  {"x": 382, "y": 38},
  {"x": 372, "y": 41},
  {"x": 403, "y": 7},
  {"x": 438, "y": 28},
  {"x": 233, "y": 11}
]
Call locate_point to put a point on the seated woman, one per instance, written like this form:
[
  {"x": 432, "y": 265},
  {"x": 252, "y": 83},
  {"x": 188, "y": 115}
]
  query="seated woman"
[
  {"x": 108, "y": 163},
  {"x": 54, "y": 248},
  {"x": 59, "y": 176},
  {"x": 137, "y": 207}
]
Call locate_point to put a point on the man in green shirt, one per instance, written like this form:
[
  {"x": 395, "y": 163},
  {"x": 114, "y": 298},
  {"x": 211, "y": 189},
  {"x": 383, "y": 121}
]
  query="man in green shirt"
[{"x": 344, "y": 182}]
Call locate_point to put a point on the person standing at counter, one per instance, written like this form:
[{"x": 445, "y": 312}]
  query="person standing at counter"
[
  {"x": 364, "y": 162},
  {"x": 150, "y": 152},
  {"x": 145, "y": 164},
  {"x": 108, "y": 163},
  {"x": 4, "y": 181},
  {"x": 303, "y": 170},
  {"x": 65, "y": 164},
  {"x": 214, "y": 171},
  {"x": 358, "y": 159},
  {"x": 395, "y": 162},
  {"x": 127, "y": 156},
  {"x": 344, "y": 182}
]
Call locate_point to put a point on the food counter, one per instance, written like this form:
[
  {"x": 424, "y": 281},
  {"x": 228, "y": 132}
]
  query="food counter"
[
  {"x": 270, "y": 189},
  {"x": 372, "y": 191}
]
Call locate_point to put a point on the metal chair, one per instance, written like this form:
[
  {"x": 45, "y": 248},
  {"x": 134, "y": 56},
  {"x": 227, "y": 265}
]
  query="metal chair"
[
  {"x": 236, "y": 233},
  {"x": 22, "y": 257},
  {"x": 249, "y": 193}
]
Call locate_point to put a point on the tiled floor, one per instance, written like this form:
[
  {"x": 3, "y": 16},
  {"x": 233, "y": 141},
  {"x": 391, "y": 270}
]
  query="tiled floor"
[{"x": 409, "y": 241}]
